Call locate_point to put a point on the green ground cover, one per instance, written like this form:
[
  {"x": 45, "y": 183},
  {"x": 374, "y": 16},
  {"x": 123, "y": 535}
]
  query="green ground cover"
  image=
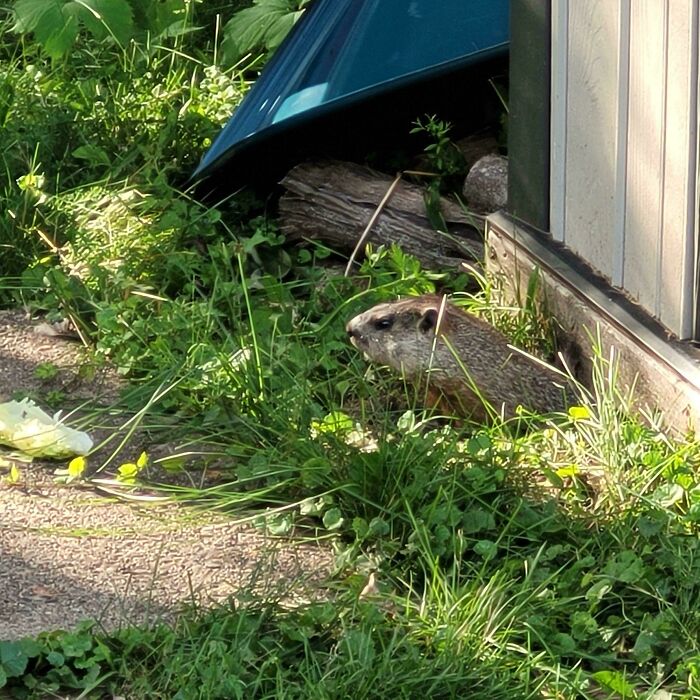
[{"x": 535, "y": 558}]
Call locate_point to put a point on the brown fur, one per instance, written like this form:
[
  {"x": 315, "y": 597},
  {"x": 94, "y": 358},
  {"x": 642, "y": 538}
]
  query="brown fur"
[{"x": 464, "y": 358}]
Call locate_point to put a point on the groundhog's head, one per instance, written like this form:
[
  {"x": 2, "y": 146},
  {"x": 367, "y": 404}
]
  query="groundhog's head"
[{"x": 401, "y": 334}]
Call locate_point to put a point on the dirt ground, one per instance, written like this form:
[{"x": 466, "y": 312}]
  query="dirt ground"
[{"x": 71, "y": 553}]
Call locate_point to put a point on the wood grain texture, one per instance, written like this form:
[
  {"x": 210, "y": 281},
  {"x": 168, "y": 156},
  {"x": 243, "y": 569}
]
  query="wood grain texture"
[
  {"x": 625, "y": 146},
  {"x": 593, "y": 43},
  {"x": 334, "y": 201},
  {"x": 621, "y": 145},
  {"x": 675, "y": 268},
  {"x": 645, "y": 150}
]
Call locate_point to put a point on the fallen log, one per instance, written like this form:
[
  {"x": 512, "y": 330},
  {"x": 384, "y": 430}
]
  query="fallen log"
[{"x": 334, "y": 201}]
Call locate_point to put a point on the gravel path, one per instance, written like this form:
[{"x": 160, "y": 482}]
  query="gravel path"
[{"x": 67, "y": 554}]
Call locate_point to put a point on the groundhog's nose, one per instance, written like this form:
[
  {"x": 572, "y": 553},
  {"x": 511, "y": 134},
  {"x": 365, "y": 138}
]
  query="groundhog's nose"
[{"x": 353, "y": 332}]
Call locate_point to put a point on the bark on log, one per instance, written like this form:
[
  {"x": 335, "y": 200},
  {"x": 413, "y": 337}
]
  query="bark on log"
[{"x": 334, "y": 201}]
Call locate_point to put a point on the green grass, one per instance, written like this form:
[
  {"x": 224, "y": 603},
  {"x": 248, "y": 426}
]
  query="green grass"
[{"x": 536, "y": 558}]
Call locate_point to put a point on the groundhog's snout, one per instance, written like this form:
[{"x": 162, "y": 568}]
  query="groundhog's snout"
[
  {"x": 352, "y": 330},
  {"x": 356, "y": 329}
]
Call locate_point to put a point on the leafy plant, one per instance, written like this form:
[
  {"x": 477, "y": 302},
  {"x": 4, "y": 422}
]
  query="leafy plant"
[
  {"x": 442, "y": 157},
  {"x": 261, "y": 27},
  {"x": 53, "y": 661},
  {"x": 56, "y": 25},
  {"x": 442, "y": 154},
  {"x": 522, "y": 560},
  {"x": 527, "y": 322},
  {"x": 101, "y": 132}
]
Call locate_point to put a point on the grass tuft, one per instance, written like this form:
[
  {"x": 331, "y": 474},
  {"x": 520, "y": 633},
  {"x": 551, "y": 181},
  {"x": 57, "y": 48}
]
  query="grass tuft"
[{"x": 548, "y": 557}]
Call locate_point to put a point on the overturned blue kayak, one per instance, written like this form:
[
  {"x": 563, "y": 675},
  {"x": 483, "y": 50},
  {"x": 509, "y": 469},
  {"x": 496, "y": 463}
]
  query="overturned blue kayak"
[{"x": 353, "y": 75}]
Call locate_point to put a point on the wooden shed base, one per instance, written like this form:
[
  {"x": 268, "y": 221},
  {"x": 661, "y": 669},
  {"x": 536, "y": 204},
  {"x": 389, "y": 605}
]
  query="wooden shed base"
[{"x": 664, "y": 372}]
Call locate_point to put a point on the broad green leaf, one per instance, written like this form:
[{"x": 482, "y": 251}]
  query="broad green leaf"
[
  {"x": 314, "y": 470},
  {"x": 30, "y": 647},
  {"x": 173, "y": 463},
  {"x": 478, "y": 444},
  {"x": 262, "y": 26},
  {"x": 93, "y": 154},
  {"x": 12, "y": 658},
  {"x": 583, "y": 625},
  {"x": 553, "y": 551},
  {"x": 55, "y": 658},
  {"x": 552, "y": 477},
  {"x": 651, "y": 525},
  {"x": 279, "y": 524},
  {"x": 335, "y": 422},
  {"x": 643, "y": 649},
  {"x": 693, "y": 514},
  {"x": 160, "y": 18},
  {"x": 142, "y": 461},
  {"x": 360, "y": 527},
  {"x": 616, "y": 681},
  {"x": 57, "y": 39},
  {"x": 312, "y": 506},
  {"x": 55, "y": 23},
  {"x": 104, "y": 18},
  {"x": 333, "y": 519},
  {"x": 478, "y": 520},
  {"x": 379, "y": 527},
  {"x": 31, "y": 14},
  {"x": 30, "y": 181},
  {"x": 486, "y": 549},
  {"x": 626, "y": 567},
  {"x": 406, "y": 422},
  {"x": 667, "y": 494},
  {"x": 598, "y": 590},
  {"x": 563, "y": 644},
  {"x": 76, "y": 644}
]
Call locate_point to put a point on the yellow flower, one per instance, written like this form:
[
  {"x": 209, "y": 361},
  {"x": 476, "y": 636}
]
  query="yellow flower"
[{"x": 579, "y": 413}]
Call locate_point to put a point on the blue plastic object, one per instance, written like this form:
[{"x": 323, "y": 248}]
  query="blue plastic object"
[{"x": 354, "y": 67}]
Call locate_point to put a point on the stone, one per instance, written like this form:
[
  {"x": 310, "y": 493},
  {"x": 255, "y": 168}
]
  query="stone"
[{"x": 486, "y": 187}]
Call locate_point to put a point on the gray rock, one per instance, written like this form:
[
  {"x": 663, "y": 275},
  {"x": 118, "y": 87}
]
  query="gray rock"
[{"x": 486, "y": 187}]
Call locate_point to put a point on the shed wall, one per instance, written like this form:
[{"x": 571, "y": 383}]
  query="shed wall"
[{"x": 624, "y": 146}]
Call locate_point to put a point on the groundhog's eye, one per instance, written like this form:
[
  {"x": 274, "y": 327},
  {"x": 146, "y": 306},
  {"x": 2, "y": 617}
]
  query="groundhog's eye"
[{"x": 383, "y": 324}]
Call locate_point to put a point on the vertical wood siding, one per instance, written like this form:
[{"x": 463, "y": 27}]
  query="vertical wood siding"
[
  {"x": 645, "y": 149},
  {"x": 624, "y": 146}
]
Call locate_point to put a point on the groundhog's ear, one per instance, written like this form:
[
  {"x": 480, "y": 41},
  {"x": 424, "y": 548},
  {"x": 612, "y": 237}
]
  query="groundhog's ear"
[{"x": 428, "y": 321}]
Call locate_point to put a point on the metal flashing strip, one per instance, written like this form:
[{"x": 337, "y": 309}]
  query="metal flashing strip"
[{"x": 592, "y": 294}]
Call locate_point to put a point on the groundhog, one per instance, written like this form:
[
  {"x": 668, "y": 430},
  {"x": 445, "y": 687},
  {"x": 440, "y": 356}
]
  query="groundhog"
[{"x": 458, "y": 357}]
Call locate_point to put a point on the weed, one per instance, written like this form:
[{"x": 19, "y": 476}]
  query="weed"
[
  {"x": 446, "y": 163},
  {"x": 527, "y": 322},
  {"x": 259, "y": 28},
  {"x": 443, "y": 156},
  {"x": 554, "y": 559}
]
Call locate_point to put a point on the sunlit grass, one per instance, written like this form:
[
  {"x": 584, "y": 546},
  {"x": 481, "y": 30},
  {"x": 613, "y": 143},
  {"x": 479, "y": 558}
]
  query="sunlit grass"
[{"x": 539, "y": 557}]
